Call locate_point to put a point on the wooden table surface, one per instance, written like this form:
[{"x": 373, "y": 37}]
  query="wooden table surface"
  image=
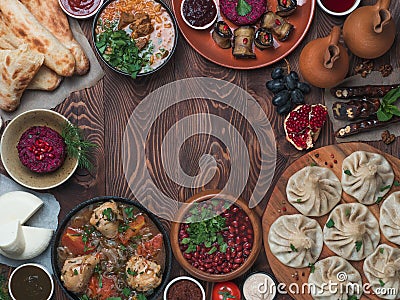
[{"x": 103, "y": 112}]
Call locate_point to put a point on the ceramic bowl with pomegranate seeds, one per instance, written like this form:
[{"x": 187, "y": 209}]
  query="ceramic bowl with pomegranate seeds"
[
  {"x": 33, "y": 151},
  {"x": 218, "y": 237}
]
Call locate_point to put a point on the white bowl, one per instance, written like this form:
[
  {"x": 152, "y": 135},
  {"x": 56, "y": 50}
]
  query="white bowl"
[
  {"x": 338, "y": 14},
  {"x": 183, "y": 278},
  {"x": 71, "y": 14},
  {"x": 34, "y": 265},
  {"x": 205, "y": 26}
]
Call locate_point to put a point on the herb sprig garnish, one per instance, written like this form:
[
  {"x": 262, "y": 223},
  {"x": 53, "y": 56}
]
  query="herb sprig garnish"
[
  {"x": 243, "y": 8},
  {"x": 77, "y": 146},
  {"x": 387, "y": 108}
]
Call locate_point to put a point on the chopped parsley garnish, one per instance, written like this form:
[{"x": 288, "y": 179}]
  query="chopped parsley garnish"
[
  {"x": 396, "y": 183},
  {"x": 100, "y": 281},
  {"x": 204, "y": 229},
  {"x": 109, "y": 214},
  {"x": 347, "y": 172},
  {"x": 76, "y": 272},
  {"x": 381, "y": 250},
  {"x": 130, "y": 272},
  {"x": 226, "y": 295},
  {"x": 330, "y": 223},
  {"x": 122, "y": 228},
  {"x": 293, "y": 248},
  {"x": 141, "y": 297},
  {"x": 358, "y": 245},
  {"x": 348, "y": 212},
  {"x": 243, "y": 8},
  {"x": 384, "y": 188},
  {"x": 84, "y": 297},
  {"x": 298, "y": 200},
  {"x": 352, "y": 297},
  {"x": 379, "y": 200},
  {"x": 381, "y": 283},
  {"x": 129, "y": 212},
  {"x": 312, "y": 267},
  {"x": 313, "y": 164},
  {"x": 126, "y": 291}
]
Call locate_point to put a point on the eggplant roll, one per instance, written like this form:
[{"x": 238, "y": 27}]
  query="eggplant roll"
[
  {"x": 356, "y": 109},
  {"x": 222, "y": 35},
  {"x": 277, "y": 25},
  {"x": 263, "y": 39},
  {"x": 243, "y": 42},
  {"x": 286, "y": 7}
]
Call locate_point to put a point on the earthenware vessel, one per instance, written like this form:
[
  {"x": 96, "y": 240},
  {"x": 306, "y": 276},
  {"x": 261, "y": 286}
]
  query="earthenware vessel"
[
  {"x": 369, "y": 31},
  {"x": 324, "y": 62}
]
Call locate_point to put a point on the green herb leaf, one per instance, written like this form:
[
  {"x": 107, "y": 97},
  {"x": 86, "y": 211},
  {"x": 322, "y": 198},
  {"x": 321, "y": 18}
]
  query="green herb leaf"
[
  {"x": 348, "y": 212},
  {"x": 293, "y": 248},
  {"x": 381, "y": 250},
  {"x": 130, "y": 272},
  {"x": 212, "y": 250},
  {"x": 352, "y": 297},
  {"x": 379, "y": 200},
  {"x": 77, "y": 146},
  {"x": 122, "y": 228},
  {"x": 76, "y": 272},
  {"x": 384, "y": 188},
  {"x": 383, "y": 116},
  {"x": 381, "y": 283},
  {"x": 84, "y": 297},
  {"x": 129, "y": 212},
  {"x": 243, "y": 8},
  {"x": 312, "y": 267},
  {"x": 185, "y": 241},
  {"x": 298, "y": 200},
  {"x": 358, "y": 245},
  {"x": 226, "y": 295},
  {"x": 313, "y": 164},
  {"x": 387, "y": 109},
  {"x": 396, "y": 183},
  {"x": 100, "y": 281},
  {"x": 330, "y": 223},
  {"x": 109, "y": 214},
  {"x": 347, "y": 172},
  {"x": 126, "y": 291},
  {"x": 141, "y": 297},
  {"x": 392, "y": 96}
]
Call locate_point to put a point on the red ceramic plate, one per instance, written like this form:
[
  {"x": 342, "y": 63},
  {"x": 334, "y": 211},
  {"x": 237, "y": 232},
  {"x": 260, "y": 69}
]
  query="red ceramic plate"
[{"x": 203, "y": 43}]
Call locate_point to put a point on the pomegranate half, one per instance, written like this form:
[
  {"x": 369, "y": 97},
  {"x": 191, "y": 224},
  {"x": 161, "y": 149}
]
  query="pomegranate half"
[{"x": 303, "y": 125}]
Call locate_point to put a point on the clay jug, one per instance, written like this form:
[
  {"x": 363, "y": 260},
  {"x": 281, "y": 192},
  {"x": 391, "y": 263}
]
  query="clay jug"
[
  {"x": 324, "y": 62},
  {"x": 369, "y": 31}
]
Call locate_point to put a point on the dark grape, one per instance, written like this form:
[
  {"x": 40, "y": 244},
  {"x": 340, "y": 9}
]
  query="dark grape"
[
  {"x": 276, "y": 85},
  {"x": 281, "y": 98},
  {"x": 304, "y": 87},
  {"x": 290, "y": 82},
  {"x": 297, "y": 96},
  {"x": 277, "y": 73},
  {"x": 294, "y": 76},
  {"x": 284, "y": 109}
]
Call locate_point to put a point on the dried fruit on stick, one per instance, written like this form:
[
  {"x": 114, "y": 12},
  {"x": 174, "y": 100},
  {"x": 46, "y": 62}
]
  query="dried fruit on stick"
[{"x": 303, "y": 125}]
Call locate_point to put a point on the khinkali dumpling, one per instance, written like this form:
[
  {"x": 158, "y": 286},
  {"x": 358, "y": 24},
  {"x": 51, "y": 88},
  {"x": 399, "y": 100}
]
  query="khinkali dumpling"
[
  {"x": 382, "y": 269},
  {"x": 366, "y": 176},
  {"x": 352, "y": 231},
  {"x": 335, "y": 278},
  {"x": 314, "y": 191},
  {"x": 295, "y": 240},
  {"x": 390, "y": 218}
]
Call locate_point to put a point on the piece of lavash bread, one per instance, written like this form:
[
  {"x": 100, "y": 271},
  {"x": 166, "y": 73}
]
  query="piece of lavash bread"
[
  {"x": 45, "y": 79},
  {"x": 17, "y": 69},
  {"x": 51, "y": 16},
  {"x": 24, "y": 25}
]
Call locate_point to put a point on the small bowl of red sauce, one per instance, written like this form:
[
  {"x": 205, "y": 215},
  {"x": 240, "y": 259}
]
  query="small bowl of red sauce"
[
  {"x": 218, "y": 237},
  {"x": 80, "y": 9},
  {"x": 199, "y": 14},
  {"x": 338, "y": 8}
]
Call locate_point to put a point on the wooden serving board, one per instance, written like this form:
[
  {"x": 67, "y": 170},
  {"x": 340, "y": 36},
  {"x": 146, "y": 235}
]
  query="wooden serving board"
[{"x": 331, "y": 157}]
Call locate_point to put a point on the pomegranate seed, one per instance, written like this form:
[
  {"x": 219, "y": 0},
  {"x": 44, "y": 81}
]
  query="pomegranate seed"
[
  {"x": 245, "y": 41},
  {"x": 277, "y": 22},
  {"x": 332, "y": 155},
  {"x": 284, "y": 2},
  {"x": 335, "y": 161},
  {"x": 284, "y": 208},
  {"x": 225, "y": 28}
]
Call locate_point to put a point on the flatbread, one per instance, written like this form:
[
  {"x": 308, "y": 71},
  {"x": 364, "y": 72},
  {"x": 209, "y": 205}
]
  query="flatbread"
[
  {"x": 45, "y": 80},
  {"x": 25, "y": 26},
  {"x": 51, "y": 16},
  {"x": 17, "y": 69}
]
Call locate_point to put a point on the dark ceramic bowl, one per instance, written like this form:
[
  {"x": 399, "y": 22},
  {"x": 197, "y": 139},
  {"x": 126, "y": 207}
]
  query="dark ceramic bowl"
[
  {"x": 176, "y": 31},
  {"x": 156, "y": 221}
]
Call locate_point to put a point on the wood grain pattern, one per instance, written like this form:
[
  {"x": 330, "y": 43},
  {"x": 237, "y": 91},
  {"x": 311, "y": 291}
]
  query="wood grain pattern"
[
  {"x": 323, "y": 157},
  {"x": 104, "y": 110}
]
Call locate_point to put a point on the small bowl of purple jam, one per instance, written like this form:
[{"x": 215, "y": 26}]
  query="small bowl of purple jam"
[
  {"x": 199, "y": 14},
  {"x": 33, "y": 151}
]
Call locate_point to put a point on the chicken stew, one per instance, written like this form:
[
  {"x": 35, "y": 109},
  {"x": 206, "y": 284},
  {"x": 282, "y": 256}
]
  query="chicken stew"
[{"x": 111, "y": 250}]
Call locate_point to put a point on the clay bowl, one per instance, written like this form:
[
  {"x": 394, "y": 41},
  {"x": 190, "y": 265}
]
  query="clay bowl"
[{"x": 202, "y": 275}]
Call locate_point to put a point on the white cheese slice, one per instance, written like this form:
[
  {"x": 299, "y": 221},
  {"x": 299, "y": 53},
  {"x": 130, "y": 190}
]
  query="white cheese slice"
[
  {"x": 12, "y": 239},
  {"x": 19, "y": 206},
  {"x": 36, "y": 241}
]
